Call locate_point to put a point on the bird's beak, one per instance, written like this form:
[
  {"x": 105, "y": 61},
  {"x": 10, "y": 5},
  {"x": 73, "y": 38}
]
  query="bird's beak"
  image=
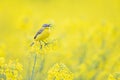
[{"x": 50, "y": 25}]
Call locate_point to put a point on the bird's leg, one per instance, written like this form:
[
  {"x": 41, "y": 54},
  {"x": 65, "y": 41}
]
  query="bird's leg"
[
  {"x": 32, "y": 44},
  {"x": 45, "y": 43},
  {"x": 40, "y": 44}
]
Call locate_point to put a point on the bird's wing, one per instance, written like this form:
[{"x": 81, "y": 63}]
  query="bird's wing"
[{"x": 39, "y": 32}]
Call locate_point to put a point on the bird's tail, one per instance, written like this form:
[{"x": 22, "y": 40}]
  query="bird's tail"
[{"x": 32, "y": 44}]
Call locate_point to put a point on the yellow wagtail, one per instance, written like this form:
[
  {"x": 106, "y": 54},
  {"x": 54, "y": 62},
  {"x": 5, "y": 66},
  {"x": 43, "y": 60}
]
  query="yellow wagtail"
[{"x": 43, "y": 33}]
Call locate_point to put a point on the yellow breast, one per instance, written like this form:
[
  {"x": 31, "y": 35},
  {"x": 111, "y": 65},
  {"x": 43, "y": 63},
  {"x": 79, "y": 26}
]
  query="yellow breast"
[{"x": 45, "y": 34}]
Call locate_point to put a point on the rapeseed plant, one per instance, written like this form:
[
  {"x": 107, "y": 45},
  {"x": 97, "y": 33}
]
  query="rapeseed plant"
[
  {"x": 59, "y": 72},
  {"x": 39, "y": 47},
  {"x": 114, "y": 76},
  {"x": 11, "y": 70},
  {"x": 86, "y": 38}
]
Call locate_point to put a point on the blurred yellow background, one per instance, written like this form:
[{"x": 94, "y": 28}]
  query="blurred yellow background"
[{"x": 87, "y": 34}]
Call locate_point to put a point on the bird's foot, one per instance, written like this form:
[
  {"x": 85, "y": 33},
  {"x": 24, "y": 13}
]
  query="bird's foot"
[
  {"x": 46, "y": 44},
  {"x": 41, "y": 46}
]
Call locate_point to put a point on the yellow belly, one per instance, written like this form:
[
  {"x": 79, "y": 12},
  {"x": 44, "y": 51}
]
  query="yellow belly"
[{"x": 45, "y": 34}]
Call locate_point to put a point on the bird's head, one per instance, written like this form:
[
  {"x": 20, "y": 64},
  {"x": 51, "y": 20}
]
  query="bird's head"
[{"x": 46, "y": 25}]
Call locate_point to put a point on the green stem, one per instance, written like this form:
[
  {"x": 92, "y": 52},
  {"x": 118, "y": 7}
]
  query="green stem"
[
  {"x": 33, "y": 70},
  {"x": 42, "y": 62}
]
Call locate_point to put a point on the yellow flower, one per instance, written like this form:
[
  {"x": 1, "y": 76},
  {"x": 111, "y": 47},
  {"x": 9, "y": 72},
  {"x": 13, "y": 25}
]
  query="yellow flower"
[
  {"x": 114, "y": 76},
  {"x": 59, "y": 71},
  {"x": 11, "y": 70}
]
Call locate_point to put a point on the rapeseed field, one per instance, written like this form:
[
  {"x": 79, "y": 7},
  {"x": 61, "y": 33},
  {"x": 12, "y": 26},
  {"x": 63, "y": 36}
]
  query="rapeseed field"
[{"x": 84, "y": 41}]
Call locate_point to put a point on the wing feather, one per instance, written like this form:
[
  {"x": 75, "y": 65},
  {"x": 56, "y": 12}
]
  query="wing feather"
[{"x": 39, "y": 32}]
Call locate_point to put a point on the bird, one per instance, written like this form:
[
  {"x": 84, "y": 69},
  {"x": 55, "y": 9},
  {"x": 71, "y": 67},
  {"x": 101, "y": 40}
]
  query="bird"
[{"x": 42, "y": 34}]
